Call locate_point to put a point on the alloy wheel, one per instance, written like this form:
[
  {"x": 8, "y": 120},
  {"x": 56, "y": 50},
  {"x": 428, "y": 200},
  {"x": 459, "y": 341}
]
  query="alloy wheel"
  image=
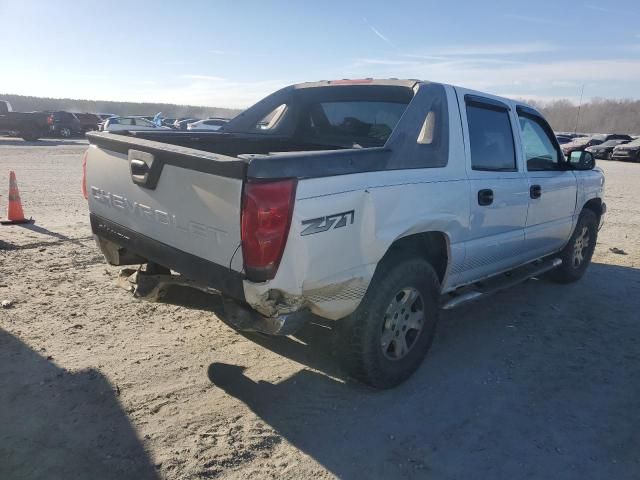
[
  {"x": 403, "y": 321},
  {"x": 580, "y": 247}
]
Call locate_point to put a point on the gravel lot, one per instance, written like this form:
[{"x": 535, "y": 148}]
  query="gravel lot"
[{"x": 540, "y": 381}]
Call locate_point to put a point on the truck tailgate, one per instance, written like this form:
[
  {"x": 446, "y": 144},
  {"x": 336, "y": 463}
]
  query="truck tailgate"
[{"x": 186, "y": 199}]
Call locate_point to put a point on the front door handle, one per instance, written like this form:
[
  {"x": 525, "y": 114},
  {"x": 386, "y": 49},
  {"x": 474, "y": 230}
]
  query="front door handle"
[
  {"x": 535, "y": 191},
  {"x": 485, "y": 197}
]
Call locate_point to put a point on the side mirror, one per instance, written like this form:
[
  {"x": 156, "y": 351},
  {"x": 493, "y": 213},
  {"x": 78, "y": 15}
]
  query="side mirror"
[{"x": 581, "y": 160}]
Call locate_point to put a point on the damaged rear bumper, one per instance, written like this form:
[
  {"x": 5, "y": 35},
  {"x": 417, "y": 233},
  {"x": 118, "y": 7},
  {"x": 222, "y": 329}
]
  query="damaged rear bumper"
[
  {"x": 242, "y": 317},
  {"x": 238, "y": 314}
]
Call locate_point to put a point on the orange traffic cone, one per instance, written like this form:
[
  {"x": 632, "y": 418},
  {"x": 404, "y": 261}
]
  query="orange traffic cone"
[{"x": 15, "y": 214}]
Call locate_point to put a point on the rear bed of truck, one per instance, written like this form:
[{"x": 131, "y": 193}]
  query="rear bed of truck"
[{"x": 217, "y": 207}]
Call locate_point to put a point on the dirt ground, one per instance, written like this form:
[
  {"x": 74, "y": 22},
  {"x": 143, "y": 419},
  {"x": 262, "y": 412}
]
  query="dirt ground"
[{"x": 540, "y": 381}]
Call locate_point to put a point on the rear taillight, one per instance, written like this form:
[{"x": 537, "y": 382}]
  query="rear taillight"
[
  {"x": 266, "y": 217},
  {"x": 50, "y": 120},
  {"x": 85, "y": 193}
]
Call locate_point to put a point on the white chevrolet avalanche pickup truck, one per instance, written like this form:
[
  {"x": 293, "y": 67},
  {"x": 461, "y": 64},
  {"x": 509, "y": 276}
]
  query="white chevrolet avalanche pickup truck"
[{"x": 372, "y": 203}]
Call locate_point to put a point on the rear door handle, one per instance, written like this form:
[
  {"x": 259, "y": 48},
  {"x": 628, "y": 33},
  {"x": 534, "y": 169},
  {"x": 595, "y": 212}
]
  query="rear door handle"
[
  {"x": 535, "y": 191},
  {"x": 485, "y": 197}
]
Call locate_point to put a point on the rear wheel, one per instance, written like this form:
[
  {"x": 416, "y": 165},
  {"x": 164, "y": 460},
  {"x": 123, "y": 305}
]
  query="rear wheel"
[
  {"x": 576, "y": 255},
  {"x": 65, "y": 132},
  {"x": 385, "y": 340}
]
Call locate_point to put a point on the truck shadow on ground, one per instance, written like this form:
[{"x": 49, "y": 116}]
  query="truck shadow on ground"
[
  {"x": 61, "y": 425},
  {"x": 311, "y": 346},
  {"x": 59, "y": 238},
  {"x": 540, "y": 381}
]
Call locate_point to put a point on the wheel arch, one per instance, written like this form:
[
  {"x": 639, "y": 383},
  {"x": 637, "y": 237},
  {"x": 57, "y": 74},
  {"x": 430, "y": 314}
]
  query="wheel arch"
[
  {"x": 595, "y": 205},
  {"x": 434, "y": 246}
]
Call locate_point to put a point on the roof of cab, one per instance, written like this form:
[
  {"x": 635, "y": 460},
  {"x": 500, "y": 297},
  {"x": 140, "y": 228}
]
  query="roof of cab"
[{"x": 410, "y": 83}]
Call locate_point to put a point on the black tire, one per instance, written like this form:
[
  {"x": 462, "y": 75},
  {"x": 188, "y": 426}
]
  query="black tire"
[
  {"x": 573, "y": 264},
  {"x": 29, "y": 136},
  {"x": 359, "y": 337}
]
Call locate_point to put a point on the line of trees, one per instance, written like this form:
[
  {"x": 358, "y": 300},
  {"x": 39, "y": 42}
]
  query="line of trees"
[
  {"x": 23, "y": 103},
  {"x": 597, "y": 116}
]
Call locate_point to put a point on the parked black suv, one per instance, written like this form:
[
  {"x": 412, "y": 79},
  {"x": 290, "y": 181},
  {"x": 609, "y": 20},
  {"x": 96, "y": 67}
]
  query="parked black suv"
[{"x": 64, "y": 124}]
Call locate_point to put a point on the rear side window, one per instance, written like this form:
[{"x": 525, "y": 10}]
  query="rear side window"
[
  {"x": 271, "y": 120},
  {"x": 428, "y": 130},
  {"x": 491, "y": 138},
  {"x": 363, "y": 123}
]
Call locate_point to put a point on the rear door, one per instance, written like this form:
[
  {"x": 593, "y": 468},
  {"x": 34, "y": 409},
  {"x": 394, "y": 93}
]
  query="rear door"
[
  {"x": 552, "y": 188},
  {"x": 498, "y": 193}
]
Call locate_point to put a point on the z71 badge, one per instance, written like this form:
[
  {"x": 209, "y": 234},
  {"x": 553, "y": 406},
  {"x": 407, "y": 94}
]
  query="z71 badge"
[{"x": 322, "y": 224}]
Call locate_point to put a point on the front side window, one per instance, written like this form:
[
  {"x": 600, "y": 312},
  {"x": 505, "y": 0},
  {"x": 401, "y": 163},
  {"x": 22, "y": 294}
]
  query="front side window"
[
  {"x": 491, "y": 139},
  {"x": 540, "y": 151}
]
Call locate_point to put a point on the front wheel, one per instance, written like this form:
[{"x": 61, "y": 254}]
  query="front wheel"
[
  {"x": 576, "y": 255},
  {"x": 385, "y": 340},
  {"x": 65, "y": 132}
]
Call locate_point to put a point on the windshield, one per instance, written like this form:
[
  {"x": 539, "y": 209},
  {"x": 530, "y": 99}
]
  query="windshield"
[{"x": 144, "y": 122}]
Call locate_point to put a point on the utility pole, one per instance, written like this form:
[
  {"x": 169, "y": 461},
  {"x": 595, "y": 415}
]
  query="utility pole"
[{"x": 575, "y": 130}]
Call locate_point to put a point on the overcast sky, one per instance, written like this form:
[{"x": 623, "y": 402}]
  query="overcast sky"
[{"x": 232, "y": 53}]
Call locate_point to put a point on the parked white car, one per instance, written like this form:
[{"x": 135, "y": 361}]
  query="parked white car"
[
  {"x": 208, "y": 124},
  {"x": 115, "y": 124}
]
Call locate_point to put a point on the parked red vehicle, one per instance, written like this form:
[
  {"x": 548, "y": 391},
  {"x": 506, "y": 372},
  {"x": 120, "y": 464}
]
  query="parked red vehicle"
[{"x": 88, "y": 121}]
